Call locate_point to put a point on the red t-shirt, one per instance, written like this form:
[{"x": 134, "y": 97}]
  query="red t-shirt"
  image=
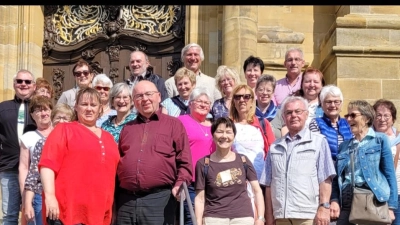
[{"x": 85, "y": 168}]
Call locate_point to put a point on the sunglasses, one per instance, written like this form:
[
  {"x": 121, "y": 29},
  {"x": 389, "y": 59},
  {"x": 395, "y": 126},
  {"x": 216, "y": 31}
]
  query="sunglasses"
[
  {"x": 79, "y": 73},
  {"x": 352, "y": 115},
  {"x": 245, "y": 97},
  {"x": 20, "y": 81},
  {"x": 100, "y": 88}
]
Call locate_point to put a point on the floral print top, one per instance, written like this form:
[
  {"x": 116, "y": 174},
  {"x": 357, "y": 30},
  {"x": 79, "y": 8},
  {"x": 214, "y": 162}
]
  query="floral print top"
[{"x": 109, "y": 125}]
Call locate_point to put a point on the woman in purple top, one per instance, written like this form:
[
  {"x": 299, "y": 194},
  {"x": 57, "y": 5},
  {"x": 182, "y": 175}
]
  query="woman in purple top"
[{"x": 226, "y": 80}]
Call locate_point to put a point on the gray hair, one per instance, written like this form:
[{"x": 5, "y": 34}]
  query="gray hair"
[
  {"x": 293, "y": 49},
  {"x": 103, "y": 79},
  {"x": 187, "y": 47},
  {"x": 225, "y": 70},
  {"x": 290, "y": 99},
  {"x": 199, "y": 91},
  {"x": 24, "y": 71},
  {"x": 332, "y": 90},
  {"x": 365, "y": 109},
  {"x": 265, "y": 78},
  {"x": 145, "y": 55},
  {"x": 117, "y": 89}
]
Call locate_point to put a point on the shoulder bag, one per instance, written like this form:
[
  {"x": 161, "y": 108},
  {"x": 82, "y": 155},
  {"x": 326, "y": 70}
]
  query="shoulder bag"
[{"x": 365, "y": 208}]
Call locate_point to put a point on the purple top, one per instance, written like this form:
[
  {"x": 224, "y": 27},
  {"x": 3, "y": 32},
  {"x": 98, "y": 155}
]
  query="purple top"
[{"x": 284, "y": 89}]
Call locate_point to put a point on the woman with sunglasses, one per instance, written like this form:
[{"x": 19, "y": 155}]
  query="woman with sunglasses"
[
  {"x": 373, "y": 164},
  {"x": 386, "y": 114},
  {"x": 103, "y": 84},
  {"x": 250, "y": 140},
  {"x": 335, "y": 128}
]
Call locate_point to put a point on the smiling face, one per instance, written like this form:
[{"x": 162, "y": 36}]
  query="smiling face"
[
  {"x": 184, "y": 87},
  {"x": 22, "y": 89},
  {"x": 383, "y": 120},
  {"x": 192, "y": 59},
  {"x": 200, "y": 106},
  {"x": 104, "y": 91},
  {"x": 295, "y": 116},
  {"x": 83, "y": 76},
  {"x": 293, "y": 63},
  {"x": 146, "y": 98},
  {"x": 357, "y": 124},
  {"x": 223, "y": 137},
  {"x": 252, "y": 73},
  {"x": 311, "y": 86},
  {"x": 122, "y": 103},
  {"x": 332, "y": 106},
  {"x": 87, "y": 109},
  {"x": 264, "y": 93},
  {"x": 138, "y": 63},
  {"x": 243, "y": 105},
  {"x": 227, "y": 84}
]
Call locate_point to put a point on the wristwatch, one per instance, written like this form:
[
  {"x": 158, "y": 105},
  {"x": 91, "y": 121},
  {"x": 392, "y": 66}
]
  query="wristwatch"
[
  {"x": 261, "y": 218},
  {"x": 326, "y": 205}
]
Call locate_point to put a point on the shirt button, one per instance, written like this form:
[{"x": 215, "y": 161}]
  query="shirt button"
[
  {"x": 99, "y": 141},
  {"x": 375, "y": 188},
  {"x": 369, "y": 179},
  {"x": 365, "y": 167},
  {"x": 141, "y": 150},
  {"x": 362, "y": 156},
  {"x": 102, "y": 146},
  {"x": 103, "y": 153}
]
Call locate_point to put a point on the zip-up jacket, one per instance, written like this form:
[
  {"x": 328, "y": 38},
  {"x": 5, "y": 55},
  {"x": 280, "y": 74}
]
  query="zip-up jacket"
[{"x": 9, "y": 143}]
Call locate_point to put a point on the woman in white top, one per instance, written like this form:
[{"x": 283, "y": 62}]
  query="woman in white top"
[
  {"x": 40, "y": 109},
  {"x": 385, "y": 116}
]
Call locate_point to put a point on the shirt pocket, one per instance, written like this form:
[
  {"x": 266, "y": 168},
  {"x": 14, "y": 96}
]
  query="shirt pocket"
[
  {"x": 163, "y": 144},
  {"x": 373, "y": 154}
]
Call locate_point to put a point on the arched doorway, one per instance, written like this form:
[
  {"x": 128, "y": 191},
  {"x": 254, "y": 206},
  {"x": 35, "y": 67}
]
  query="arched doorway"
[{"x": 104, "y": 35}]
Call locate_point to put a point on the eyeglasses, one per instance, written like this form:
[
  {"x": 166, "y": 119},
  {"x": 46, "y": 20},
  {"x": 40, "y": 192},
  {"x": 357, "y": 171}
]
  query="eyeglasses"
[
  {"x": 297, "y": 112},
  {"x": 245, "y": 97},
  {"x": 199, "y": 102},
  {"x": 295, "y": 59},
  {"x": 336, "y": 102},
  {"x": 38, "y": 111},
  {"x": 148, "y": 94},
  {"x": 79, "y": 73},
  {"x": 99, "y": 88},
  {"x": 385, "y": 117},
  {"x": 263, "y": 90},
  {"x": 20, "y": 81},
  {"x": 65, "y": 118},
  {"x": 352, "y": 115}
]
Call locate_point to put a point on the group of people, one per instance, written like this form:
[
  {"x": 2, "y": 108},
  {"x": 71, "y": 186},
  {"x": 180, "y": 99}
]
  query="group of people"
[{"x": 265, "y": 151}]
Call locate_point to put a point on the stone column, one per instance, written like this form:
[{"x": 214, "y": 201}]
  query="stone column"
[
  {"x": 239, "y": 35},
  {"x": 21, "y": 40}
]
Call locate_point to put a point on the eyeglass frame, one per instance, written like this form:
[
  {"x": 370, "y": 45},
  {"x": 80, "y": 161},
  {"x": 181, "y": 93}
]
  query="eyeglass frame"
[{"x": 148, "y": 94}]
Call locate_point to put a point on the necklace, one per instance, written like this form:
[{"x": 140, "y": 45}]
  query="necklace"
[{"x": 199, "y": 124}]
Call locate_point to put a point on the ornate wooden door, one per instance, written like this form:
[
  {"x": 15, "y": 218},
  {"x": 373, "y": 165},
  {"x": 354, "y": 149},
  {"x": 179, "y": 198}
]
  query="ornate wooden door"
[{"x": 105, "y": 35}]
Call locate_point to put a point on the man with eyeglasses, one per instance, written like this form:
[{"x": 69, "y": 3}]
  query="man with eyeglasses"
[
  {"x": 294, "y": 62},
  {"x": 192, "y": 56},
  {"x": 83, "y": 74},
  {"x": 15, "y": 120},
  {"x": 298, "y": 171},
  {"x": 155, "y": 161},
  {"x": 141, "y": 69}
]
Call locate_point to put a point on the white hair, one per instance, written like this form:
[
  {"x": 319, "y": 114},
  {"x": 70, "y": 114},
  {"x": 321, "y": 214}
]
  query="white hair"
[
  {"x": 293, "y": 49},
  {"x": 290, "y": 99},
  {"x": 200, "y": 91},
  {"x": 24, "y": 71},
  {"x": 332, "y": 90},
  {"x": 103, "y": 78},
  {"x": 187, "y": 47}
]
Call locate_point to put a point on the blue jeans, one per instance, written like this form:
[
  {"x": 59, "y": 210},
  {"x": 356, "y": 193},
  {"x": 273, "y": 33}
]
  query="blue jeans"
[
  {"x": 192, "y": 194},
  {"x": 397, "y": 214},
  {"x": 37, "y": 207},
  {"x": 10, "y": 197}
]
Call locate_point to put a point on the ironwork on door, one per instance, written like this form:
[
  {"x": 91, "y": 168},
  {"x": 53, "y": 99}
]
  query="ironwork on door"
[{"x": 105, "y": 35}]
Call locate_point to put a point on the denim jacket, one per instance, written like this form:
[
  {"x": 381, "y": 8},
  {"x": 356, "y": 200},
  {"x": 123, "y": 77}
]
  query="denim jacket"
[{"x": 377, "y": 167}]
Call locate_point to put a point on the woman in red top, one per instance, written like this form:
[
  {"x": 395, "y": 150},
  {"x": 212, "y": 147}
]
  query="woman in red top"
[{"x": 78, "y": 167}]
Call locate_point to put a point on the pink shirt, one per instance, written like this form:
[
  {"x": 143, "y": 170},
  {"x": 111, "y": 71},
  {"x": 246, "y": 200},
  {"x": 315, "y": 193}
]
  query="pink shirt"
[
  {"x": 284, "y": 89},
  {"x": 200, "y": 139}
]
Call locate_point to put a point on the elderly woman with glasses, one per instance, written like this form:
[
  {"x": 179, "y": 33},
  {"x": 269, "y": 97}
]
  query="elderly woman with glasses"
[
  {"x": 373, "y": 164},
  {"x": 185, "y": 81},
  {"x": 121, "y": 101},
  {"x": 335, "y": 128},
  {"x": 103, "y": 84},
  {"x": 198, "y": 129},
  {"x": 226, "y": 80},
  {"x": 386, "y": 114}
]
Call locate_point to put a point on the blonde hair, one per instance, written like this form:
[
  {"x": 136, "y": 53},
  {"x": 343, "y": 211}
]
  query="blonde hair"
[
  {"x": 63, "y": 108},
  {"x": 184, "y": 72},
  {"x": 233, "y": 112},
  {"x": 221, "y": 72}
]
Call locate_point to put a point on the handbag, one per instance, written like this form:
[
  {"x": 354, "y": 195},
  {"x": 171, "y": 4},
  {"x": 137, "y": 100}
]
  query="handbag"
[{"x": 365, "y": 208}]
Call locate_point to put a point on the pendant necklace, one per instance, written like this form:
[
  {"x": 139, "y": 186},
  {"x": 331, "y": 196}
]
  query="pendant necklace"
[{"x": 199, "y": 124}]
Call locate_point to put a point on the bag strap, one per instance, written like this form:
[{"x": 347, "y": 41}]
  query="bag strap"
[
  {"x": 352, "y": 166},
  {"x": 396, "y": 157},
  {"x": 262, "y": 123},
  {"x": 206, "y": 165},
  {"x": 184, "y": 109},
  {"x": 41, "y": 135}
]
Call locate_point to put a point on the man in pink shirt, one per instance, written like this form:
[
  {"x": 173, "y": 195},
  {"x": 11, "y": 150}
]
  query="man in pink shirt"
[{"x": 294, "y": 62}]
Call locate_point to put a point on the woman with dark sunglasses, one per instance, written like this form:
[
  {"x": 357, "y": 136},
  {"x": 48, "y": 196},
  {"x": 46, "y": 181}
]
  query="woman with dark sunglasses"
[
  {"x": 250, "y": 140},
  {"x": 373, "y": 164},
  {"x": 103, "y": 84}
]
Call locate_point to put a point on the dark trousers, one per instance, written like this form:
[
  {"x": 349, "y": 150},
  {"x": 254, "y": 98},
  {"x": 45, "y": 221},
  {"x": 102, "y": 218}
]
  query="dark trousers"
[
  {"x": 57, "y": 222},
  {"x": 147, "y": 209},
  {"x": 347, "y": 198}
]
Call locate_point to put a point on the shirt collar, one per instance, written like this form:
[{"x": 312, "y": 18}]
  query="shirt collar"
[
  {"x": 155, "y": 116},
  {"x": 298, "y": 136}
]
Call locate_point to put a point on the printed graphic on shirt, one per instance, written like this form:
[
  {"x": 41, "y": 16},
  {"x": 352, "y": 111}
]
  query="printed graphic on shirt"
[{"x": 228, "y": 177}]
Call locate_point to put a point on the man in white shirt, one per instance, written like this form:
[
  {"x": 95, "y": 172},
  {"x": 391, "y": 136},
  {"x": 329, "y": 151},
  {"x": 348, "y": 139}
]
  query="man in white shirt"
[{"x": 192, "y": 55}]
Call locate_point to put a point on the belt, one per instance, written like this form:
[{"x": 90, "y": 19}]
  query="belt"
[{"x": 145, "y": 192}]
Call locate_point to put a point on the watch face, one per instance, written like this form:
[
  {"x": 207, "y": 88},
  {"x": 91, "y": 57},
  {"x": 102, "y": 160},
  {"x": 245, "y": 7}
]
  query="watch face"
[{"x": 326, "y": 205}]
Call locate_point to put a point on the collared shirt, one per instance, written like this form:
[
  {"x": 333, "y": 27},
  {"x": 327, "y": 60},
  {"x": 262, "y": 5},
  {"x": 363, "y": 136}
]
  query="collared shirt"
[
  {"x": 155, "y": 152},
  {"x": 135, "y": 79},
  {"x": 202, "y": 80},
  {"x": 109, "y": 125},
  {"x": 284, "y": 89}
]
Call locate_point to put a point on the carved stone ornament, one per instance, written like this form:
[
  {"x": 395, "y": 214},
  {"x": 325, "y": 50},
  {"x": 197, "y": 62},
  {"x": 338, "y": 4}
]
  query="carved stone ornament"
[
  {"x": 97, "y": 69},
  {"x": 173, "y": 66},
  {"x": 113, "y": 74},
  {"x": 277, "y": 34},
  {"x": 88, "y": 54},
  {"x": 139, "y": 47},
  {"x": 113, "y": 52},
  {"x": 58, "y": 80}
]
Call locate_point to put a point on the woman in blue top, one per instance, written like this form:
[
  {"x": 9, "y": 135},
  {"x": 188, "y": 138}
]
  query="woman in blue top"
[
  {"x": 335, "y": 128},
  {"x": 121, "y": 101},
  {"x": 373, "y": 164}
]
